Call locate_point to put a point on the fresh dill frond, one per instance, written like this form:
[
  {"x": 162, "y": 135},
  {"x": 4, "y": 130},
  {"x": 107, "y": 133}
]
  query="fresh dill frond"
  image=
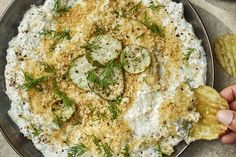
[
  {"x": 153, "y": 27},
  {"x": 114, "y": 111},
  {"x": 158, "y": 151},
  {"x": 57, "y": 120},
  {"x": 56, "y": 35},
  {"x": 60, "y": 9},
  {"x": 97, "y": 142},
  {"x": 102, "y": 146},
  {"x": 92, "y": 76},
  {"x": 123, "y": 60},
  {"x": 188, "y": 53},
  {"x": 113, "y": 107},
  {"x": 31, "y": 83},
  {"x": 94, "y": 45},
  {"x": 134, "y": 9},
  {"x": 48, "y": 68},
  {"x": 118, "y": 100},
  {"x": 156, "y": 7},
  {"x": 99, "y": 31},
  {"x": 105, "y": 78},
  {"x": 107, "y": 150},
  {"x": 77, "y": 150},
  {"x": 141, "y": 35},
  {"x": 126, "y": 151},
  {"x": 188, "y": 81},
  {"x": 62, "y": 95},
  {"x": 36, "y": 131}
]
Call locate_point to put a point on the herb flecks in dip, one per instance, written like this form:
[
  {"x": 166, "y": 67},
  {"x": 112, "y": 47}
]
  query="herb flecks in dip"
[{"x": 105, "y": 78}]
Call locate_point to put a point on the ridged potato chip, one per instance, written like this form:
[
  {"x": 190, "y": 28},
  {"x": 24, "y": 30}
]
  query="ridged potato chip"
[
  {"x": 225, "y": 50},
  {"x": 208, "y": 103}
]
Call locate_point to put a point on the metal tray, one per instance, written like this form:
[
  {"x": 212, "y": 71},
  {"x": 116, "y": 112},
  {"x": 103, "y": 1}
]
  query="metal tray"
[{"x": 8, "y": 29}]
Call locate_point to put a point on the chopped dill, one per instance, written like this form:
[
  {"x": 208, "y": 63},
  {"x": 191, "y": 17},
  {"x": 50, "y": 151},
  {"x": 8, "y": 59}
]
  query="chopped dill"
[
  {"x": 113, "y": 108},
  {"x": 188, "y": 53},
  {"x": 77, "y": 150},
  {"x": 36, "y": 131},
  {"x": 114, "y": 111},
  {"x": 56, "y": 35},
  {"x": 141, "y": 36},
  {"x": 48, "y": 68},
  {"x": 99, "y": 31},
  {"x": 97, "y": 142},
  {"x": 156, "y": 7},
  {"x": 154, "y": 28},
  {"x": 123, "y": 56},
  {"x": 57, "y": 120},
  {"x": 158, "y": 151},
  {"x": 105, "y": 79},
  {"x": 126, "y": 151},
  {"x": 66, "y": 100},
  {"x": 102, "y": 146},
  {"x": 31, "y": 83},
  {"x": 94, "y": 45},
  {"x": 107, "y": 150},
  {"x": 134, "y": 9},
  {"x": 60, "y": 9},
  {"x": 188, "y": 81}
]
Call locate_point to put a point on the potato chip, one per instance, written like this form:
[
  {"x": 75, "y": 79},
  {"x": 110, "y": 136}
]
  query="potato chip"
[
  {"x": 208, "y": 103},
  {"x": 225, "y": 50}
]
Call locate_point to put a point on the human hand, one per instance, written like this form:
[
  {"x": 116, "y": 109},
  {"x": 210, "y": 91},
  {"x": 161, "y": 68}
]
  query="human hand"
[{"x": 228, "y": 117}]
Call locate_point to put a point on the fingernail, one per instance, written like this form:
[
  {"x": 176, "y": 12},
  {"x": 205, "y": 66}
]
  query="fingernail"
[{"x": 225, "y": 116}]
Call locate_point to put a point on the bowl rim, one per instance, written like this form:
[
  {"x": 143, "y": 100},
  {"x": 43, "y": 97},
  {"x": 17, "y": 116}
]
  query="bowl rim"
[
  {"x": 211, "y": 57},
  {"x": 1, "y": 130}
]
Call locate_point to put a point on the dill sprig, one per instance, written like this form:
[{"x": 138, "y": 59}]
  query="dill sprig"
[
  {"x": 114, "y": 111},
  {"x": 113, "y": 108},
  {"x": 31, "y": 83},
  {"x": 57, "y": 120},
  {"x": 107, "y": 150},
  {"x": 99, "y": 31},
  {"x": 36, "y": 131},
  {"x": 48, "y": 68},
  {"x": 77, "y": 150},
  {"x": 60, "y": 9},
  {"x": 154, "y": 28},
  {"x": 105, "y": 79},
  {"x": 188, "y": 53},
  {"x": 141, "y": 36},
  {"x": 158, "y": 151},
  {"x": 188, "y": 81},
  {"x": 62, "y": 95},
  {"x": 102, "y": 146},
  {"x": 97, "y": 142},
  {"x": 94, "y": 45},
  {"x": 156, "y": 7},
  {"x": 126, "y": 151},
  {"x": 56, "y": 35},
  {"x": 134, "y": 9}
]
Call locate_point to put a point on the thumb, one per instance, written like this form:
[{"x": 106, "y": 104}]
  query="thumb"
[{"x": 228, "y": 118}]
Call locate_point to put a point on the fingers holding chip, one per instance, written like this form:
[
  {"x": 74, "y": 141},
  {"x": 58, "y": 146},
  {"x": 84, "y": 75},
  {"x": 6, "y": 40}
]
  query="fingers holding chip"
[{"x": 208, "y": 103}]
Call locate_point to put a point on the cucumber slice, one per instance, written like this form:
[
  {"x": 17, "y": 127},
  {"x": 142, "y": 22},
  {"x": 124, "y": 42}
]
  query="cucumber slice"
[
  {"x": 78, "y": 72},
  {"x": 104, "y": 48},
  {"x": 107, "y": 82},
  {"x": 135, "y": 59},
  {"x": 61, "y": 111}
]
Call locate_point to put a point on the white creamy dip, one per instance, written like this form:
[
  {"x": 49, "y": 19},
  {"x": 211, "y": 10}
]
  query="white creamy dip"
[{"x": 142, "y": 116}]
